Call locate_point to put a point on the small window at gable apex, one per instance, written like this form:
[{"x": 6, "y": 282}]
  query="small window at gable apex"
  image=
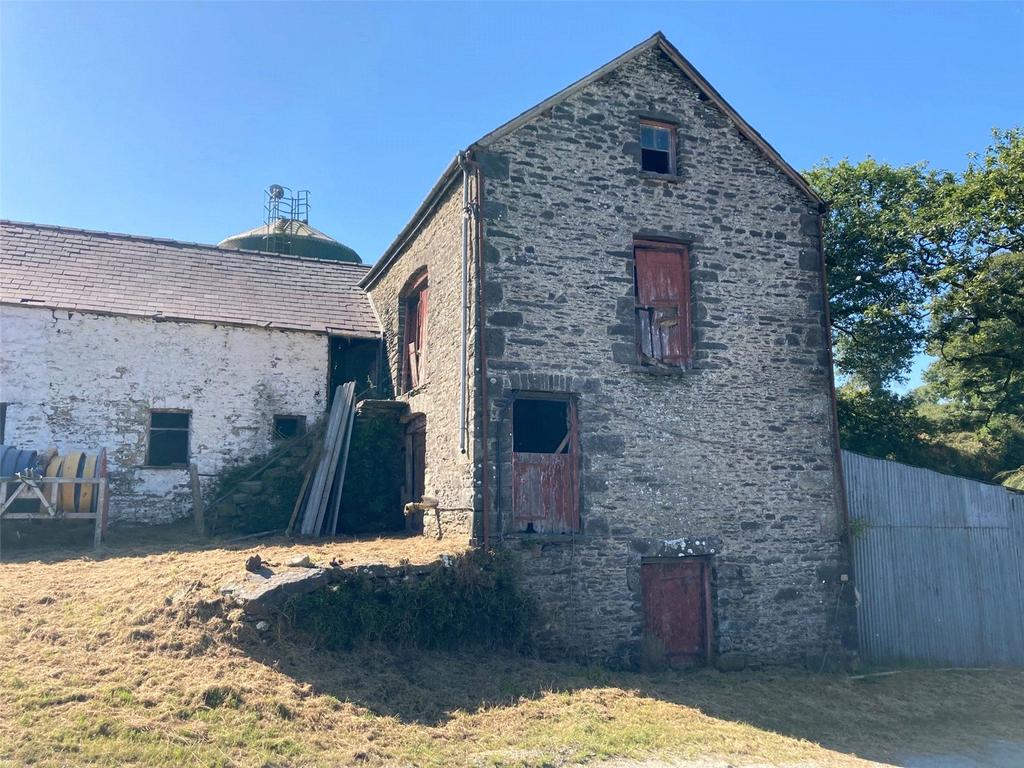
[{"x": 657, "y": 147}]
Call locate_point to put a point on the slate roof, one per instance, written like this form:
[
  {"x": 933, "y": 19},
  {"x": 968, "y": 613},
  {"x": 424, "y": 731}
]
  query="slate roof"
[{"x": 102, "y": 272}]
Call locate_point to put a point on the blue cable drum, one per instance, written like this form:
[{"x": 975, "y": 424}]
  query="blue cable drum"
[{"x": 14, "y": 460}]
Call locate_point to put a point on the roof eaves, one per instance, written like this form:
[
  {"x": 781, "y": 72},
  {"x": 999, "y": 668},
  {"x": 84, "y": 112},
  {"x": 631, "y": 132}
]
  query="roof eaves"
[
  {"x": 159, "y": 317},
  {"x": 742, "y": 125},
  {"x": 425, "y": 209},
  {"x": 583, "y": 82}
]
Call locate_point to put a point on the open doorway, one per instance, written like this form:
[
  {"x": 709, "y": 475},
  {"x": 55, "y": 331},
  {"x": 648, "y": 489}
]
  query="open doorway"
[
  {"x": 355, "y": 360},
  {"x": 545, "y": 465}
]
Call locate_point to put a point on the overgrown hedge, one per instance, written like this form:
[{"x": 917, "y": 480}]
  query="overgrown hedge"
[
  {"x": 371, "y": 501},
  {"x": 475, "y": 601}
]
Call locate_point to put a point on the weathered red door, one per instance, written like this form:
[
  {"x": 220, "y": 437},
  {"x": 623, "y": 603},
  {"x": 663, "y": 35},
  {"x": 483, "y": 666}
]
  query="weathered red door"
[
  {"x": 545, "y": 466},
  {"x": 676, "y": 597},
  {"x": 663, "y": 303},
  {"x": 543, "y": 497}
]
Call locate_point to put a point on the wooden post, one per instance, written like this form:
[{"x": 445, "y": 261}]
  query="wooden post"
[
  {"x": 197, "y": 500},
  {"x": 101, "y": 501}
]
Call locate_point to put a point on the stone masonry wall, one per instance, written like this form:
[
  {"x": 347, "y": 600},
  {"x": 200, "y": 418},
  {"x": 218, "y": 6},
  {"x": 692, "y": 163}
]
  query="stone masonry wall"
[
  {"x": 437, "y": 248},
  {"x": 736, "y": 453},
  {"x": 82, "y": 382}
]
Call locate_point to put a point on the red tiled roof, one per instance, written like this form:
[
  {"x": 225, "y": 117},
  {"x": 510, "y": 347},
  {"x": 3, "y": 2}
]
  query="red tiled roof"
[{"x": 76, "y": 269}]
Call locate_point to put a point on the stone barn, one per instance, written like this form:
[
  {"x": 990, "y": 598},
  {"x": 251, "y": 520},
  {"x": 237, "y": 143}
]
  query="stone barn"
[
  {"x": 607, "y": 328},
  {"x": 611, "y": 314}
]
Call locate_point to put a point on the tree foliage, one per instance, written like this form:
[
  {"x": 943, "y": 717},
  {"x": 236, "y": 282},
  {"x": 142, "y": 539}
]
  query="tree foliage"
[{"x": 918, "y": 260}]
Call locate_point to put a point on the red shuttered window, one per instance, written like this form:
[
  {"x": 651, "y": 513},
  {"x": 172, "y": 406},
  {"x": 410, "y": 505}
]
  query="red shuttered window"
[
  {"x": 415, "y": 341},
  {"x": 663, "y": 304}
]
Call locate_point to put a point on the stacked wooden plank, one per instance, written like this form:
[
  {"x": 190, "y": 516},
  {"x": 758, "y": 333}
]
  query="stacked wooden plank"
[{"x": 316, "y": 511}]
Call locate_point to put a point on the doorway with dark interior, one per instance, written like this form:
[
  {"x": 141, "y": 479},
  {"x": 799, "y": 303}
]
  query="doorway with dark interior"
[{"x": 355, "y": 360}]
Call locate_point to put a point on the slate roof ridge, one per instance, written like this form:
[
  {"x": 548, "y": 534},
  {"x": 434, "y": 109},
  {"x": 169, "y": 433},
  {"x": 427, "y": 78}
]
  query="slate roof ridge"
[
  {"x": 167, "y": 241},
  {"x": 88, "y": 271}
]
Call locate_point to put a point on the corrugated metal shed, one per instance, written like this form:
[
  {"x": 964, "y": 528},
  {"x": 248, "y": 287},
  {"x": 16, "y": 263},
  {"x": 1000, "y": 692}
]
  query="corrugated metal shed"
[{"x": 938, "y": 563}]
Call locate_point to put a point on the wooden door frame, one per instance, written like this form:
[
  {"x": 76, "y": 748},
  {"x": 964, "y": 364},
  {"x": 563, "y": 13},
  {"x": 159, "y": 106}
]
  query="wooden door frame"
[{"x": 706, "y": 564}]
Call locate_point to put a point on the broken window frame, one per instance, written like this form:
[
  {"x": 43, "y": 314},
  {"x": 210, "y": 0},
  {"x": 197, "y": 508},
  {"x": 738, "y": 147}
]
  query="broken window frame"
[
  {"x": 413, "y": 345},
  {"x": 162, "y": 430},
  {"x": 298, "y": 419},
  {"x": 658, "y": 128},
  {"x": 654, "y": 313},
  {"x": 569, "y": 460}
]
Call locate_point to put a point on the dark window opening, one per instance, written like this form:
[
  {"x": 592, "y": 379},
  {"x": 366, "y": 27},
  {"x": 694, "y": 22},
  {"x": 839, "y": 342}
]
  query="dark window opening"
[
  {"x": 414, "y": 340},
  {"x": 662, "y": 272},
  {"x": 354, "y": 360},
  {"x": 657, "y": 147},
  {"x": 3, "y": 423},
  {"x": 168, "y": 438},
  {"x": 540, "y": 426},
  {"x": 287, "y": 427}
]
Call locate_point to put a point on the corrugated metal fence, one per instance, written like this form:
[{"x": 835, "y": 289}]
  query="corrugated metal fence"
[{"x": 939, "y": 565}]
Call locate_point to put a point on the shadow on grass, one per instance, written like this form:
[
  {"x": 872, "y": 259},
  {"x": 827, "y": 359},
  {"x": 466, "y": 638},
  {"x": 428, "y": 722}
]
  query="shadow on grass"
[
  {"x": 54, "y": 541},
  {"x": 873, "y": 718}
]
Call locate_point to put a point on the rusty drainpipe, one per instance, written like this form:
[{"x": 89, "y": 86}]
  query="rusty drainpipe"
[
  {"x": 837, "y": 454},
  {"x": 478, "y": 207}
]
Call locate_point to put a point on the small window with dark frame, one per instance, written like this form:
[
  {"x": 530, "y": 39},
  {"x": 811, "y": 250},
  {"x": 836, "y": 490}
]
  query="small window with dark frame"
[
  {"x": 3, "y": 423},
  {"x": 414, "y": 340},
  {"x": 657, "y": 147},
  {"x": 289, "y": 427},
  {"x": 662, "y": 273},
  {"x": 168, "y": 438}
]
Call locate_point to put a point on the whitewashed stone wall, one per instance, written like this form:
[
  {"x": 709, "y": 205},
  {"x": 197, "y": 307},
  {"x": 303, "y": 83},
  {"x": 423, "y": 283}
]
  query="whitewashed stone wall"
[{"x": 82, "y": 382}]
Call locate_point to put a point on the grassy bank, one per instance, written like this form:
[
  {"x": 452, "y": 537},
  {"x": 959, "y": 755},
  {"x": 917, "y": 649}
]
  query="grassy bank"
[{"x": 129, "y": 660}]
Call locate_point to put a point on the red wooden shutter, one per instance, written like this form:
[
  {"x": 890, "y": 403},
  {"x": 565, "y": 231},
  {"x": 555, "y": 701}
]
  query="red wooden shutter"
[
  {"x": 663, "y": 303},
  {"x": 421, "y": 332}
]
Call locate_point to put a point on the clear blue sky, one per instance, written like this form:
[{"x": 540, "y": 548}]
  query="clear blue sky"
[{"x": 169, "y": 119}]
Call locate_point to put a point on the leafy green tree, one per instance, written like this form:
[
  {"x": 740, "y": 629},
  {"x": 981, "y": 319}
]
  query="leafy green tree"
[
  {"x": 922, "y": 259},
  {"x": 977, "y": 328},
  {"x": 977, "y": 336},
  {"x": 877, "y": 268}
]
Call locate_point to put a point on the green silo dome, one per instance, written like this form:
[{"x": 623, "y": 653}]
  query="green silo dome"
[{"x": 293, "y": 237}]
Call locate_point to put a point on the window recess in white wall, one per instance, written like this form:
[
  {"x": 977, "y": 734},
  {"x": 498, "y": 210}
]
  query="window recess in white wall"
[{"x": 168, "y": 438}]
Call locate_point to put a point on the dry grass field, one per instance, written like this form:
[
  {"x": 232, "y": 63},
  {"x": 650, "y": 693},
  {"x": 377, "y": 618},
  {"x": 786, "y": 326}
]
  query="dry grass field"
[{"x": 126, "y": 659}]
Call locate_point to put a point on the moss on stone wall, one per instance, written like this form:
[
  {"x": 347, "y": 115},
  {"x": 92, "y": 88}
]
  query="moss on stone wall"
[{"x": 260, "y": 494}]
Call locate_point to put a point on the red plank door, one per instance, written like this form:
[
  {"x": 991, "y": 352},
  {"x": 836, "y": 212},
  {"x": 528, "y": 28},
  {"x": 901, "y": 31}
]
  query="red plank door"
[
  {"x": 676, "y": 597},
  {"x": 663, "y": 303},
  {"x": 543, "y": 493}
]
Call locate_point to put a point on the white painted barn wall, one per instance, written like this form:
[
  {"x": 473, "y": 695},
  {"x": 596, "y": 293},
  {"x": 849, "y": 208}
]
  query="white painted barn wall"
[{"x": 80, "y": 382}]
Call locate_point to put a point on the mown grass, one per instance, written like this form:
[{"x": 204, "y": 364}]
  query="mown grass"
[{"x": 128, "y": 660}]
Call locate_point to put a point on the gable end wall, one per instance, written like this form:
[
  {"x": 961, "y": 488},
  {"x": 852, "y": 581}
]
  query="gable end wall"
[{"x": 733, "y": 458}]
